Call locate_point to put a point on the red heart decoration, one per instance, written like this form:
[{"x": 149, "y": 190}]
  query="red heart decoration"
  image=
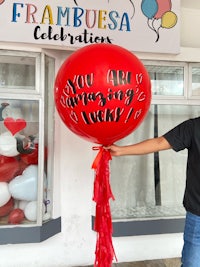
[{"x": 14, "y": 126}]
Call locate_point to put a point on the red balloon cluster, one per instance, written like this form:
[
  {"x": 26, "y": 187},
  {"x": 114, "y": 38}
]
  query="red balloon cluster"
[
  {"x": 102, "y": 92},
  {"x": 18, "y": 169},
  {"x": 30, "y": 158},
  {"x": 11, "y": 167}
]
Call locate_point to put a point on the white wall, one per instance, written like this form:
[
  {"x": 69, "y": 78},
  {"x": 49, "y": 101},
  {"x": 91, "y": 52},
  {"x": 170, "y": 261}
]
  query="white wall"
[
  {"x": 190, "y": 24},
  {"x": 75, "y": 245}
]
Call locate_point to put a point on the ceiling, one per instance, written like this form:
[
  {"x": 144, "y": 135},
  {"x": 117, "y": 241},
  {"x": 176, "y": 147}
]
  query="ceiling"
[{"x": 193, "y": 4}]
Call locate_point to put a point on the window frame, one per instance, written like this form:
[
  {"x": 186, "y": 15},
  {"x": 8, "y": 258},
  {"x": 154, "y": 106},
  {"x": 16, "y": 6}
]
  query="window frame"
[
  {"x": 190, "y": 66},
  {"x": 18, "y": 90},
  {"x": 151, "y": 226},
  {"x": 40, "y": 229}
]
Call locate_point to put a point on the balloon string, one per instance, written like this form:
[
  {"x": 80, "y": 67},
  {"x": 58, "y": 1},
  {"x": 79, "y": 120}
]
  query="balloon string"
[
  {"x": 158, "y": 35},
  {"x": 103, "y": 223},
  {"x": 98, "y": 156}
]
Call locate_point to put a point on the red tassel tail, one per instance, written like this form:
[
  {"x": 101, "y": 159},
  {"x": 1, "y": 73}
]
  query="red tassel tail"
[{"x": 103, "y": 222}]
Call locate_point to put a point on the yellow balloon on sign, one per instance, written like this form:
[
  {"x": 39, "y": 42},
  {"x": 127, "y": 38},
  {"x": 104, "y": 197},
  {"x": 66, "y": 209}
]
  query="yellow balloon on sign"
[{"x": 168, "y": 20}]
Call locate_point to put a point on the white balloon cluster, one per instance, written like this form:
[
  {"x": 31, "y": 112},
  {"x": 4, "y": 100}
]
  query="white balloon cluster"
[
  {"x": 23, "y": 188},
  {"x": 8, "y": 145}
]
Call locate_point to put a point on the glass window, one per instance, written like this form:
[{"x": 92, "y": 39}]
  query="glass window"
[
  {"x": 195, "y": 80},
  {"x": 19, "y": 141},
  {"x": 26, "y": 138},
  {"x": 17, "y": 72},
  {"x": 151, "y": 186},
  {"x": 167, "y": 80}
]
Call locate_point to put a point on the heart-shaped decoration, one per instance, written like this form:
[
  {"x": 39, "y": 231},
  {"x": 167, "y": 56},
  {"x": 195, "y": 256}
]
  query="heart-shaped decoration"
[
  {"x": 24, "y": 187},
  {"x": 14, "y": 126}
]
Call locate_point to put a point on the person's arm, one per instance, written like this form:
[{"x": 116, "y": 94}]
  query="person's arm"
[{"x": 142, "y": 148}]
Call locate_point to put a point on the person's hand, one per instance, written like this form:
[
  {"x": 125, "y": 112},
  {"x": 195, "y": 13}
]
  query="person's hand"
[{"x": 114, "y": 150}]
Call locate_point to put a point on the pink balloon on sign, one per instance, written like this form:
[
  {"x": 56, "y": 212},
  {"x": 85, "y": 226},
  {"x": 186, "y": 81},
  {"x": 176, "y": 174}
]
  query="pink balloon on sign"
[{"x": 163, "y": 6}]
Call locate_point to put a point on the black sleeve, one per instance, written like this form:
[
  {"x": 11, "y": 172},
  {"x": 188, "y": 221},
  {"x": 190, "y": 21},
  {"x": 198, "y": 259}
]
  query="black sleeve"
[{"x": 180, "y": 137}]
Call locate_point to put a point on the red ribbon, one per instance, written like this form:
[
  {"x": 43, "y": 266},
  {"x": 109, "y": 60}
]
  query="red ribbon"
[{"x": 103, "y": 222}]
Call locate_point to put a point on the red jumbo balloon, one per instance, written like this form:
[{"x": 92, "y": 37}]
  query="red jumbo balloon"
[{"x": 102, "y": 93}]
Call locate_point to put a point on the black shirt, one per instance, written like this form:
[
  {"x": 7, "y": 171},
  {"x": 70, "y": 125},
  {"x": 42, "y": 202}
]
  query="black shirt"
[{"x": 187, "y": 135}]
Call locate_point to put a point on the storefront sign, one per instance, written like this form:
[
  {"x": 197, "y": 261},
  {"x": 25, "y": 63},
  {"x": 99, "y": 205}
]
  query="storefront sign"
[{"x": 145, "y": 26}]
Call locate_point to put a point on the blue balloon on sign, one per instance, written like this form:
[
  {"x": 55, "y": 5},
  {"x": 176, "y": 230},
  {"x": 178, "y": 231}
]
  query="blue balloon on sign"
[{"x": 149, "y": 8}]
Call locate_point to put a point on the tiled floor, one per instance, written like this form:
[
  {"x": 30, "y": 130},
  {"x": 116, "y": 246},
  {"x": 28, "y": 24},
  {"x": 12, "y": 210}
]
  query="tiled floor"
[{"x": 154, "y": 263}]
